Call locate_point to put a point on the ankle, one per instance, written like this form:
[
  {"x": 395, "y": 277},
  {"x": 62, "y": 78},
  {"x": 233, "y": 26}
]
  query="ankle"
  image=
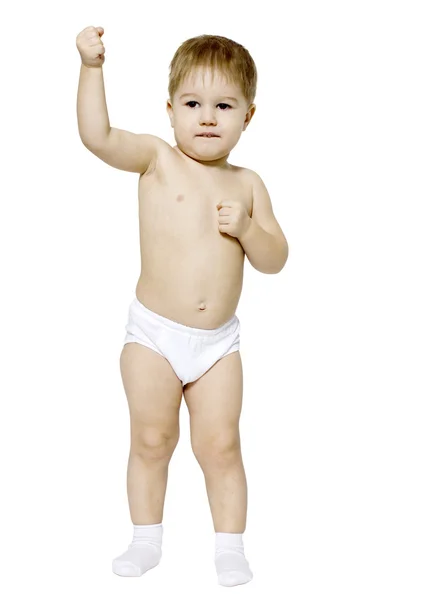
[
  {"x": 150, "y": 534},
  {"x": 229, "y": 541}
]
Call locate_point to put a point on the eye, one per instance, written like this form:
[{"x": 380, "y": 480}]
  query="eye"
[{"x": 194, "y": 102}]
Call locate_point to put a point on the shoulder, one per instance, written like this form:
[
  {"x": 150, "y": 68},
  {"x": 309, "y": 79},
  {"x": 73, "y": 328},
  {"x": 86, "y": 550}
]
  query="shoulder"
[
  {"x": 247, "y": 177},
  {"x": 162, "y": 147},
  {"x": 253, "y": 181},
  {"x": 253, "y": 176},
  {"x": 162, "y": 155}
]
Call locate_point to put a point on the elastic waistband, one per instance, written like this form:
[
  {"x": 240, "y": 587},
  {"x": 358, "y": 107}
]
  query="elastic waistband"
[{"x": 138, "y": 306}]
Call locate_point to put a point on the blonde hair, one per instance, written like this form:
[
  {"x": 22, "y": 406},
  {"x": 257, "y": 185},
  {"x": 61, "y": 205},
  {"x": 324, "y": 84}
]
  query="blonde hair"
[{"x": 219, "y": 54}]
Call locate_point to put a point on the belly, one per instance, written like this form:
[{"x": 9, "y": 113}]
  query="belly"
[{"x": 196, "y": 282}]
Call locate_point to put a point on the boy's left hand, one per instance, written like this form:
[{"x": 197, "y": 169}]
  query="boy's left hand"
[{"x": 233, "y": 218}]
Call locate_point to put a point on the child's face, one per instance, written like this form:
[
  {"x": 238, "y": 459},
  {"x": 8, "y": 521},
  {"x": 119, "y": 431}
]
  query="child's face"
[{"x": 204, "y": 106}]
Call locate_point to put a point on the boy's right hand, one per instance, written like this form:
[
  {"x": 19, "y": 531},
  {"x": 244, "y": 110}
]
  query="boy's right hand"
[{"x": 90, "y": 46}]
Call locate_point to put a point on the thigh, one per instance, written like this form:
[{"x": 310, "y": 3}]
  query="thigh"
[
  {"x": 214, "y": 402},
  {"x": 153, "y": 392}
]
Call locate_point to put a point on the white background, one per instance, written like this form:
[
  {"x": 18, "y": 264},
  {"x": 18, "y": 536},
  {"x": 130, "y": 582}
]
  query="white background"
[{"x": 332, "y": 346}]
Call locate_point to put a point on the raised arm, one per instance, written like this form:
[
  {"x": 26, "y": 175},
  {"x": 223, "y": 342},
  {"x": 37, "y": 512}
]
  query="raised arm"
[{"x": 119, "y": 148}]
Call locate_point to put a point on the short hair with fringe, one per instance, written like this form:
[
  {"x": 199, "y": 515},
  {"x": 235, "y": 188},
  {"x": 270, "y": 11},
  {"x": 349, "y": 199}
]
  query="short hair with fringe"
[{"x": 219, "y": 54}]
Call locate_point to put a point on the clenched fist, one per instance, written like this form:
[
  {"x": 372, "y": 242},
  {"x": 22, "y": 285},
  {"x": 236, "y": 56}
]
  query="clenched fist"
[{"x": 90, "y": 46}]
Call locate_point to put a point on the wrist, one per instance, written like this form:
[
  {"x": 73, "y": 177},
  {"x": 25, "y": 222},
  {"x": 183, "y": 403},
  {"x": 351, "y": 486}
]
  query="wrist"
[
  {"x": 91, "y": 66},
  {"x": 247, "y": 229}
]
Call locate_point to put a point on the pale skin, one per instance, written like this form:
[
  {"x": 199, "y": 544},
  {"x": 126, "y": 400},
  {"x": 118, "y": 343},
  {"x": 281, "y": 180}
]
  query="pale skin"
[{"x": 192, "y": 276}]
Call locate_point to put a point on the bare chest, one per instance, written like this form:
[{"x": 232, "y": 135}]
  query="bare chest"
[
  {"x": 188, "y": 265},
  {"x": 181, "y": 203}
]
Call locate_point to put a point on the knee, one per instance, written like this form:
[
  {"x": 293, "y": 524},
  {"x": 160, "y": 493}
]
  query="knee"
[
  {"x": 217, "y": 450},
  {"x": 153, "y": 444}
]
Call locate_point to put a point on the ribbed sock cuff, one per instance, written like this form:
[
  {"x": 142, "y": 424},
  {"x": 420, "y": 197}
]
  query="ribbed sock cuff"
[
  {"x": 229, "y": 540},
  {"x": 148, "y": 533}
]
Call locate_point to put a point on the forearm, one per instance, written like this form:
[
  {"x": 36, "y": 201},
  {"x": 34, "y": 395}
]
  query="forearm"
[
  {"x": 93, "y": 118},
  {"x": 263, "y": 250}
]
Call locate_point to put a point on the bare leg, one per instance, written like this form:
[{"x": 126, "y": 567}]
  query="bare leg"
[
  {"x": 154, "y": 395},
  {"x": 214, "y": 402},
  {"x": 146, "y": 487},
  {"x": 226, "y": 486}
]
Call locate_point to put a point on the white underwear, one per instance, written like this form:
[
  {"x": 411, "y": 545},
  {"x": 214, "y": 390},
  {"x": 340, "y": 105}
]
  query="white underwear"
[{"x": 190, "y": 351}]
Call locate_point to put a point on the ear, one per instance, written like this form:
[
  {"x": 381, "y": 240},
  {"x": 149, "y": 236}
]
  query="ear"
[
  {"x": 249, "y": 115},
  {"x": 170, "y": 111}
]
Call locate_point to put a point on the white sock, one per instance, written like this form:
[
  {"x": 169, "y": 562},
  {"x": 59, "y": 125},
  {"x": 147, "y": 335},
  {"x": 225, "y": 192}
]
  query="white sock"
[
  {"x": 144, "y": 552},
  {"x": 231, "y": 565}
]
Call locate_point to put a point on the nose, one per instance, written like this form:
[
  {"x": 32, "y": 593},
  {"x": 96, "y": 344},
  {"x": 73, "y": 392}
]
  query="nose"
[{"x": 207, "y": 116}]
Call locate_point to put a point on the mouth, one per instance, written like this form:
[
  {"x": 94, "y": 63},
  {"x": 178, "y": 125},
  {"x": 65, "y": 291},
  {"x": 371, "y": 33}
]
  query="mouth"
[{"x": 208, "y": 135}]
